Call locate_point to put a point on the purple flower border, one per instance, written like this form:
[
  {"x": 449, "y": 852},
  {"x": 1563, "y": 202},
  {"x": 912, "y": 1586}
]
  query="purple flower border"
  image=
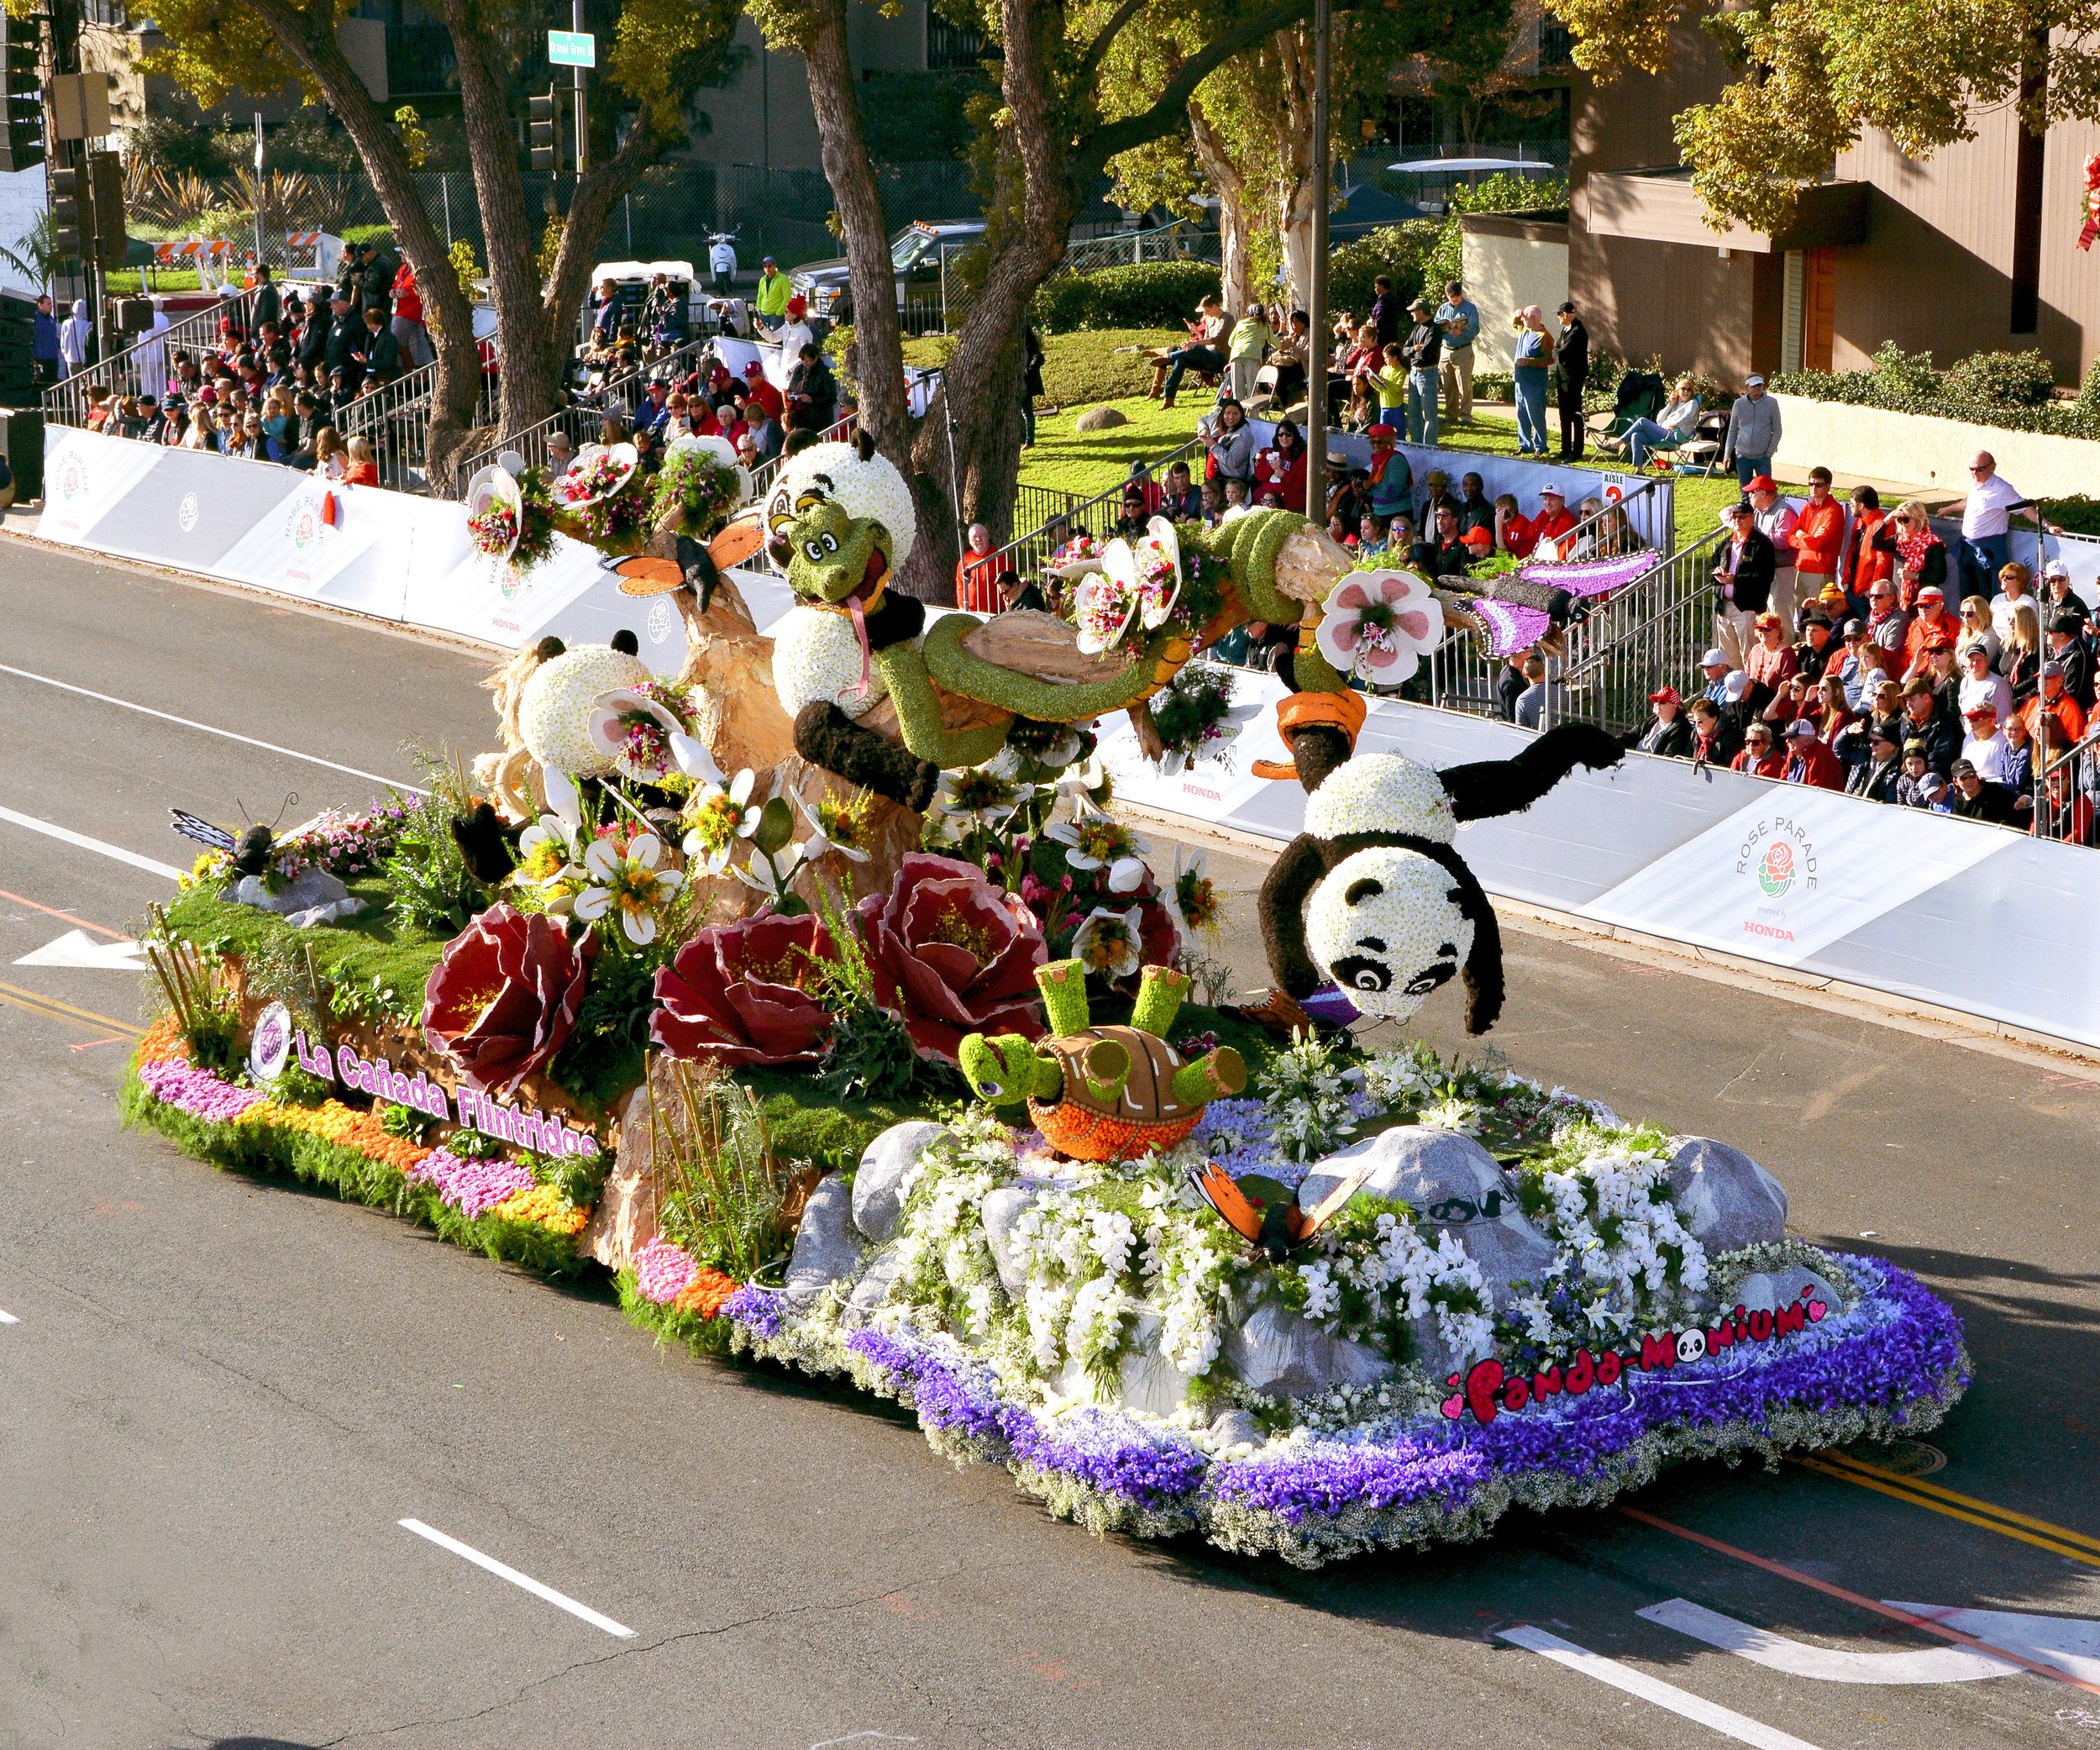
[{"x": 1901, "y": 1364}]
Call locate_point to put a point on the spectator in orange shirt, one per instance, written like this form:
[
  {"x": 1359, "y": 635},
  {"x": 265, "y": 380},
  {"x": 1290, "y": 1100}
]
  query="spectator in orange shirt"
[
  {"x": 2052, "y": 701},
  {"x": 1933, "y": 622},
  {"x": 976, "y": 574},
  {"x": 1818, "y": 537},
  {"x": 1773, "y": 661}
]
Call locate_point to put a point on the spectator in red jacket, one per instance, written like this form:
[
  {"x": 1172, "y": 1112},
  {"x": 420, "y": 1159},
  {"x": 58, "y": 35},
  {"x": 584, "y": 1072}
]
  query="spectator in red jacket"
[
  {"x": 409, "y": 332},
  {"x": 1761, "y": 756},
  {"x": 1818, "y": 537},
  {"x": 1933, "y": 622},
  {"x": 1282, "y": 469},
  {"x": 1809, "y": 761},
  {"x": 976, "y": 574},
  {"x": 1554, "y": 519},
  {"x": 762, "y": 392}
]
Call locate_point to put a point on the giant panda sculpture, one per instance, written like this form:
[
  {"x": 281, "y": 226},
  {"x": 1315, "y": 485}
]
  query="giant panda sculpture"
[{"x": 1374, "y": 898}]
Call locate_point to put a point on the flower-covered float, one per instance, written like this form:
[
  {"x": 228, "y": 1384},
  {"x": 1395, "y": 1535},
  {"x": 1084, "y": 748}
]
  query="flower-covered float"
[{"x": 949, "y": 1101}]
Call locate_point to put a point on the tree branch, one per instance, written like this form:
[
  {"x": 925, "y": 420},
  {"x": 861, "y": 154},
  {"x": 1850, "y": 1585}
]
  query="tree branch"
[{"x": 1102, "y": 42}]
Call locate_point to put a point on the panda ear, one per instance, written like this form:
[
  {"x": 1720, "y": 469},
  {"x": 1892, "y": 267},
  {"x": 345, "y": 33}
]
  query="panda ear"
[
  {"x": 1289, "y": 883},
  {"x": 866, "y": 445}
]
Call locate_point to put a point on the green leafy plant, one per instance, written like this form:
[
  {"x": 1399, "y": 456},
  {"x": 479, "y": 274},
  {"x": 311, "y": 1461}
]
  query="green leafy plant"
[
  {"x": 432, "y": 887},
  {"x": 2018, "y": 379},
  {"x": 724, "y": 1194},
  {"x": 1151, "y": 294},
  {"x": 406, "y": 1122}
]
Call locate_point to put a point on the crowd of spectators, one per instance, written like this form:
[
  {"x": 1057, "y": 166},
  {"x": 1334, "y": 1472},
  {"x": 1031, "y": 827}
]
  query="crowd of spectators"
[{"x": 1860, "y": 652}]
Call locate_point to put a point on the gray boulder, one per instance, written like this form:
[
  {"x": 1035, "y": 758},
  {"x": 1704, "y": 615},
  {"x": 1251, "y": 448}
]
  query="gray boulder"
[
  {"x": 872, "y": 1289},
  {"x": 1437, "y": 1358},
  {"x": 1100, "y": 419},
  {"x": 1451, "y": 1183},
  {"x": 1237, "y": 1427},
  {"x": 311, "y": 890},
  {"x": 1724, "y": 1198},
  {"x": 1768, "y": 1290},
  {"x": 1275, "y": 1352},
  {"x": 1000, "y": 1210},
  {"x": 882, "y": 1181},
  {"x": 826, "y": 1249}
]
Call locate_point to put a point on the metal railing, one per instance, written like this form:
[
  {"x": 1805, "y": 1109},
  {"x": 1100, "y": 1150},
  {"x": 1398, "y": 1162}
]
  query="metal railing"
[
  {"x": 394, "y": 419},
  {"x": 2076, "y": 773},
  {"x": 122, "y": 373},
  {"x": 1046, "y": 506},
  {"x": 1639, "y": 640}
]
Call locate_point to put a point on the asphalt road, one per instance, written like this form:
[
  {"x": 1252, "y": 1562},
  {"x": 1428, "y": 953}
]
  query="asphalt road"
[{"x": 219, "y": 1398}]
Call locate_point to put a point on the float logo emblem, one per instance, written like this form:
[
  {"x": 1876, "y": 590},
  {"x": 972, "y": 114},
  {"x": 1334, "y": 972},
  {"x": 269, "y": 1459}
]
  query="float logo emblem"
[
  {"x": 72, "y": 478},
  {"x": 1775, "y": 870},
  {"x": 185, "y": 513}
]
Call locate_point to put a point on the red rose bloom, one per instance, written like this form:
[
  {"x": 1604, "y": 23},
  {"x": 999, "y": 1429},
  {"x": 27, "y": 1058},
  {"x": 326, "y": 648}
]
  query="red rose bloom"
[
  {"x": 502, "y": 1000},
  {"x": 953, "y": 954},
  {"x": 736, "y": 992}
]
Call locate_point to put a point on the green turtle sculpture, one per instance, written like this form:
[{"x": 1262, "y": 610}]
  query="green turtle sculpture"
[{"x": 1102, "y": 1093}]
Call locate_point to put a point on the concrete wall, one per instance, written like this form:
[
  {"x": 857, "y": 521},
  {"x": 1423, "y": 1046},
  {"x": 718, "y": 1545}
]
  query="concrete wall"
[
  {"x": 1507, "y": 266},
  {"x": 1930, "y": 454}
]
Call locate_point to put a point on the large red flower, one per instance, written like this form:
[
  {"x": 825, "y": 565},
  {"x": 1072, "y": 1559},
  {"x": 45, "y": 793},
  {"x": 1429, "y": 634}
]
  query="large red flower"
[
  {"x": 503, "y": 999},
  {"x": 740, "y": 993},
  {"x": 953, "y": 954}
]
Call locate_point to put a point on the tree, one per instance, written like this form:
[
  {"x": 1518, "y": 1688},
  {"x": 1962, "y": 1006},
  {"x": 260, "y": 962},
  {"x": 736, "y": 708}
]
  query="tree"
[
  {"x": 1811, "y": 81},
  {"x": 661, "y": 50}
]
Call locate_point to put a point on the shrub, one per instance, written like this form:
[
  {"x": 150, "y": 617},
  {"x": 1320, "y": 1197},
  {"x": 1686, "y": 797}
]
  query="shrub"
[
  {"x": 2089, "y": 390},
  {"x": 2016, "y": 379},
  {"x": 2076, "y": 515},
  {"x": 1897, "y": 372},
  {"x": 1400, "y": 250},
  {"x": 1153, "y": 294},
  {"x": 2079, "y": 419}
]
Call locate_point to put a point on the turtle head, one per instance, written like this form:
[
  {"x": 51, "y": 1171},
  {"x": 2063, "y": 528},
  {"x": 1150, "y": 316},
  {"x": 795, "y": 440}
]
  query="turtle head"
[
  {"x": 1005, "y": 1069},
  {"x": 831, "y": 555}
]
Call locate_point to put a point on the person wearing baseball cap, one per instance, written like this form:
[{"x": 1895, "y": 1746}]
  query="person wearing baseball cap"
[
  {"x": 1667, "y": 734},
  {"x": 1742, "y": 581},
  {"x": 1984, "y": 748},
  {"x": 1976, "y": 797},
  {"x": 762, "y": 392},
  {"x": 1917, "y": 767},
  {"x": 1392, "y": 479},
  {"x": 1778, "y": 520},
  {"x": 1555, "y": 520},
  {"x": 1424, "y": 350},
  {"x": 1715, "y": 666},
  {"x": 1771, "y": 661},
  {"x": 1933, "y": 622},
  {"x": 2069, "y": 647},
  {"x": 1809, "y": 761},
  {"x": 1753, "y": 433},
  {"x": 1874, "y": 778},
  {"x": 770, "y": 300}
]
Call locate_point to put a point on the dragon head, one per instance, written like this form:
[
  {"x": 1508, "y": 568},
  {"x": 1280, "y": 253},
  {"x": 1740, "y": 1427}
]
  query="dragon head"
[{"x": 830, "y": 555}]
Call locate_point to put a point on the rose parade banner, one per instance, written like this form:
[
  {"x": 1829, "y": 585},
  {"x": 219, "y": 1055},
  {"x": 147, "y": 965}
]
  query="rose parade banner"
[{"x": 1953, "y": 912}]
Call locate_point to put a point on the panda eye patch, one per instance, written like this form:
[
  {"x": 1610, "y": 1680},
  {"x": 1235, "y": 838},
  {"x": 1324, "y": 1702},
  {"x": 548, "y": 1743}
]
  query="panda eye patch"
[
  {"x": 1375, "y": 944},
  {"x": 1429, "y": 977},
  {"x": 1359, "y": 891},
  {"x": 1358, "y": 972}
]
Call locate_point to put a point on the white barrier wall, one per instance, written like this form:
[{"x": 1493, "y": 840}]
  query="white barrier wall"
[{"x": 1949, "y": 911}]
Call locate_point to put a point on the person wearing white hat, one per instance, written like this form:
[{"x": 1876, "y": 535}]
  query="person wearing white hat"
[
  {"x": 1753, "y": 431},
  {"x": 1715, "y": 666}
]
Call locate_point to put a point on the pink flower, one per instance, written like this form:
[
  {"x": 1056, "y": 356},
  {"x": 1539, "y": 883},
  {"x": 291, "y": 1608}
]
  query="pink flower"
[
  {"x": 473, "y": 1187},
  {"x": 663, "y": 1271},
  {"x": 953, "y": 954},
  {"x": 743, "y": 993},
  {"x": 1380, "y": 623}
]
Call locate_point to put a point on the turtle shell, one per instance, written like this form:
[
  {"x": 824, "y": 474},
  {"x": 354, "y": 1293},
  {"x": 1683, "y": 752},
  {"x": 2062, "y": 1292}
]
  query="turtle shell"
[{"x": 1146, "y": 1116}]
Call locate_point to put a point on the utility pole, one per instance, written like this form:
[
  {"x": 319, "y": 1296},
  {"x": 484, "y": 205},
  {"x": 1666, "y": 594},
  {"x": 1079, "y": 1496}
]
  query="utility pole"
[
  {"x": 1316, "y": 342},
  {"x": 582, "y": 125}
]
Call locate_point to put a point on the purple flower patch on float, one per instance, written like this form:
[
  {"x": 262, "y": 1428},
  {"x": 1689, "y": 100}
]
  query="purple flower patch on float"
[{"x": 953, "y": 954}]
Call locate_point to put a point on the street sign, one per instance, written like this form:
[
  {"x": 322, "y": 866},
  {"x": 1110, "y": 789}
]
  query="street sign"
[{"x": 572, "y": 49}]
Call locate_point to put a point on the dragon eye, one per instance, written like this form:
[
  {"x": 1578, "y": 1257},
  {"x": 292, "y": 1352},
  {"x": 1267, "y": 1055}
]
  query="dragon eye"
[
  {"x": 990, "y": 1089},
  {"x": 815, "y": 550},
  {"x": 831, "y": 544}
]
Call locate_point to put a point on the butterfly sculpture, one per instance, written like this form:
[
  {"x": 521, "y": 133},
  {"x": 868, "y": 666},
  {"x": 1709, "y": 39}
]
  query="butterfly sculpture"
[{"x": 1279, "y": 1228}]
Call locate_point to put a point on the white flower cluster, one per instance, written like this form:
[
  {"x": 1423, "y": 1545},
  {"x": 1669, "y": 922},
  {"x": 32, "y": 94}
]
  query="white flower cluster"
[
  {"x": 1400, "y": 1077},
  {"x": 1189, "y": 1279},
  {"x": 1308, "y": 1097},
  {"x": 1607, "y": 1212},
  {"x": 944, "y": 1257},
  {"x": 1079, "y": 1254}
]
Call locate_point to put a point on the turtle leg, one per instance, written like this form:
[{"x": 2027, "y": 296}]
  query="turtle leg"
[
  {"x": 1212, "y": 1076},
  {"x": 1106, "y": 1068},
  {"x": 1063, "y": 987},
  {"x": 1160, "y": 990}
]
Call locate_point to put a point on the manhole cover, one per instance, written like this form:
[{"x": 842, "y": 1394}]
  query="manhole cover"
[{"x": 1903, "y": 1457}]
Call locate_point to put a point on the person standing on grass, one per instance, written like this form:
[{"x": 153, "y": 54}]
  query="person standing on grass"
[
  {"x": 1424, "y": 348},
  {"x": 1753, "y": 431},
  {"x": 1534, "y": 364},
  {"x": 1251, "y": 337},
  {"x": 1459, "y": 318},
  {"x": 1572, "y": 372}
]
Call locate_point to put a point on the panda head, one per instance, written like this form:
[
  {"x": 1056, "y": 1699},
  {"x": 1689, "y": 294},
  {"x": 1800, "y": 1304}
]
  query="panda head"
[{"x": 1390, "y": 926}]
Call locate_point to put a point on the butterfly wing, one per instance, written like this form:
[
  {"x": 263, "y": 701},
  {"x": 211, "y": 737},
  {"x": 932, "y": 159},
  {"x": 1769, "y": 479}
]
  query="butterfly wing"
[
  {"x": 1218, "y": 1191},
  {"x": 202, "y": 831},
  {"x": 1333, "y": 1202}
]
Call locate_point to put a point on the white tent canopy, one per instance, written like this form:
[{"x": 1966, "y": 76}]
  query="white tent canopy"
[{"x": 1431, "y": 166}]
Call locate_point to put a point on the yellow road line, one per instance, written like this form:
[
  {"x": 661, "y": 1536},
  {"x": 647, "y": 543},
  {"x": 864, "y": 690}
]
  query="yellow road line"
[
  {"x": 1922, "y": 1487},
  {"x": 1920, "y": 1501},
  {"x": 52, "y": 1009}
]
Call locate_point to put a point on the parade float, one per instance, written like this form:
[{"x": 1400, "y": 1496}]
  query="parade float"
[{"x": 817, "y": 994}]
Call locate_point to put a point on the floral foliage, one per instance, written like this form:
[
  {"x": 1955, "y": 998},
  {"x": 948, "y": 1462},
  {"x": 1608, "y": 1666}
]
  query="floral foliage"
[
  {"x": 747, "y": 992},
  {"x": 502, "y": 1000},
  {"x": 1380, "y": 624},
  {"x": 953, "y": 954}
]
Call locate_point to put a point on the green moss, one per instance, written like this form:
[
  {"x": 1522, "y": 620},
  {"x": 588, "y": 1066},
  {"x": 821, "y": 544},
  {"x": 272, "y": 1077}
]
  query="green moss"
[
  {"x": 372, "y": 960},
  {"x": 803, "y": 1124},
  {"x": 1047, "y": 701}
]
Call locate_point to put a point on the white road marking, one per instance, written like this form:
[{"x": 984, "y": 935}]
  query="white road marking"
[
  {"x": 1681, "y": 1702},
  {"x": 1829, "y": 1664},
  {"x": 167, "y": 869},
  {"x": 2071, "y": 1643},
  {"x": 169, "y": 716},
  {"x": 560, "y": 1600},
  {"x": 8, "y": 1318},
  {"x": 77, "y": 948}
]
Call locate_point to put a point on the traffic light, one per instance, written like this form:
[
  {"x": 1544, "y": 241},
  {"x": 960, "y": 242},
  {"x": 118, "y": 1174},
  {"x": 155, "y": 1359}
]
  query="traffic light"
[
  {"x": 545, "y": 117},
  {"x": 21, "y": 95},
  {"x": 106, "y": 180},
  {"x": 72, "y": 213}
]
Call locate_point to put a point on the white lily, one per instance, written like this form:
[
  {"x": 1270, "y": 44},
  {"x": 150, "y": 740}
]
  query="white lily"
[
  {"x": 820, "y": 842},
  {"x": 1107, "y": 941},
  {"x": 630, "y": 880},
  {"x": 548, "y": 846},
  {"x": 732, "y": 802},
  {"x": 1158, "y": 545}
]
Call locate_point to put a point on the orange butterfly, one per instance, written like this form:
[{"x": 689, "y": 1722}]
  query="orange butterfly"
[{"x": 1278, "y": 1228}]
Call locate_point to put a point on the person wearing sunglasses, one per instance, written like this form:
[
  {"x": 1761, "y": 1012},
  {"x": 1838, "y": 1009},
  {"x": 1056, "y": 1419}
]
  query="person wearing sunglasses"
[{"x": 1986, "y": 523}]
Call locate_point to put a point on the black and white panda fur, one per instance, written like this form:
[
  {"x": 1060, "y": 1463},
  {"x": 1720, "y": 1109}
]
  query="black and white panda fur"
[{"x": 1373, "y": 896}]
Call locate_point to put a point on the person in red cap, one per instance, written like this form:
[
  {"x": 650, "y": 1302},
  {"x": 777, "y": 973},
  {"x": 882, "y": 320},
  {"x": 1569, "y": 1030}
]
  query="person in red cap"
[
  {"x": 1933, "y": 624},
  {"x": 1809, "y": 761},
  {"x": 1392, "y": 480},
  {"x": 1554, "y": 519},
  {"x": 1778, "y": 521},
  {"x": 1668, "y": 733},
  {"x": 760, "y": 391}
]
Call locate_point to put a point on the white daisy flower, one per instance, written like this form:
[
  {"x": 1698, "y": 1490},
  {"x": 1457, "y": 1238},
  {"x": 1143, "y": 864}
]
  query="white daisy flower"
[{"x": 629, "y": 880}]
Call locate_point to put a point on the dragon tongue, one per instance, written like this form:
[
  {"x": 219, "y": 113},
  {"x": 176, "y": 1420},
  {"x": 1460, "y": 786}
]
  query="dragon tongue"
[{"x": 854, "y": 605}]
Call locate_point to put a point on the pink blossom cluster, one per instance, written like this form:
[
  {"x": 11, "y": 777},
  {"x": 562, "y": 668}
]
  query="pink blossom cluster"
[
  {"x": 473, "y": 1187},
  {"x": 662, "y": 1271},
  {"x": 197, "y": 1092}
]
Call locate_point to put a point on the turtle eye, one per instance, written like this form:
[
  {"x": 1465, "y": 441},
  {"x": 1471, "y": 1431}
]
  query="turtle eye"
[
  {"x": 831, "y": 544},
  {"x": 990, "y": 1089},
  {"x": 815, "y": 550}
]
